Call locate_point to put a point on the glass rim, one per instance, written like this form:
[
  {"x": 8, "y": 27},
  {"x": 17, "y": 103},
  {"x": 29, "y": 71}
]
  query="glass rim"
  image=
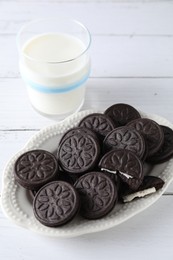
[{"x": 22, "y": 29}]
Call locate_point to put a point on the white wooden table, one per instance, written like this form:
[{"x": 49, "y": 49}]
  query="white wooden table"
[{"x": 132, "y": 62}]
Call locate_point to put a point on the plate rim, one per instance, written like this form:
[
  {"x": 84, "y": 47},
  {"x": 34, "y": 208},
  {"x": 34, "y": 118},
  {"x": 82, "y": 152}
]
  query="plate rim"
[{"x": 69, "y": 122}]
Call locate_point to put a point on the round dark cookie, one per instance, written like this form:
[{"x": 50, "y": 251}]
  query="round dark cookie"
[
  {"x": 62, "y": 176},
  {"x": 35, "y": 168},
  {"x": 98, "y": 194},
  {"x": 126, "y": 165},
  {"x": 152, "y": 133},
  {"x": 79, "y": 153},
  {"x": 123, "y": 191},
  {"x": 99, "y": 123},
  {"x": 146, "y": 188},
  {"x": 150, "y": 182},
  {"x": 56, "y": 203},
  {"x": 166, "y": 150},
  {"x": 75, "y": 131},
  {"x": 121, "y": 114},
  {"x": 113, "y": 177},
  {"x": 125, "y": 138}
]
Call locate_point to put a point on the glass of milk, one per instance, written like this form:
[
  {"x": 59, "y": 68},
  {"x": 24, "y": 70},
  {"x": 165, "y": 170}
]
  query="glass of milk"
[{"x": 55, "y": 64}]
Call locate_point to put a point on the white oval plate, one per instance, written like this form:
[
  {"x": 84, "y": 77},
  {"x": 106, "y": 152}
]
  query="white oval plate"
[{"x": 17, "y": 206}]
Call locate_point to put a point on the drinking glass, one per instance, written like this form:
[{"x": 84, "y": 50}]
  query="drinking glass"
[{"x": 54, "y": 63}]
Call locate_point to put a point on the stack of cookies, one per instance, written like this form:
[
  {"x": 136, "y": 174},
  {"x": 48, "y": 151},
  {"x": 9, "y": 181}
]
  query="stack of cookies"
[{"x": 98, "y": 163}]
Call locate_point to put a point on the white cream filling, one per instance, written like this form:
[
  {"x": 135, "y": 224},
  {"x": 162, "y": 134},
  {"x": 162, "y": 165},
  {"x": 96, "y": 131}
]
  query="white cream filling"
[
  {"x": 139, "y": 194},
  {"x": 126, "y": 175},
  {"x": 107, "y": 170},
  {"x": 115, "y": 172}
]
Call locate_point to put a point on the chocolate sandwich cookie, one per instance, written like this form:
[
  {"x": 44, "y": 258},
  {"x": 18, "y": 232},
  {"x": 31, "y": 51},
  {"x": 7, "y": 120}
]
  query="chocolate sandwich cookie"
[
  {"x": 101, "y": 124},
  {"x": 151, "y": 181},
  {"x": 125, "y": 138},
  {"x": 79, "y": 153},
  {"x": 166, "y": 150},
  {"x": 125, "y": 164},
  {"x": 149, "y": 185},
  {"x": 121, "y": 114},
  {"x": 76, "y": 131},
  {"x": 56, "y": 203},
  {"x": 35, "y": 168},
  {"x": 98, "y": 194},
  {"x": 61, "y": 176},
  {"x": 116, "y": 179},
  {"x": 152, "y": 133}
]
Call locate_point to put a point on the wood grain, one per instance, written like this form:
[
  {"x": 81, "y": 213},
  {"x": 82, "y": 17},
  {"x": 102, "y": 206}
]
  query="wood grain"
[
  {"x": 149, "y": 95},
  {"x": 132, "y": 62},
  {"x": 129, "y": 56},
  {"x": 148, "y": 230},
  {"x": 105, "y": 17}
]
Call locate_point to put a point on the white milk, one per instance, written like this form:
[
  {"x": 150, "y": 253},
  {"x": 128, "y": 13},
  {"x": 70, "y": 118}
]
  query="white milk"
[{"x": 55, "y": 87}]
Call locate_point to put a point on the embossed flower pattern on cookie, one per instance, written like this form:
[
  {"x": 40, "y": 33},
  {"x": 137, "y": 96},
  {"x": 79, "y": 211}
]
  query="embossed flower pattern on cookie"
[
  {"x": 124, "y": 114},
  {"x": 97, "y": 193},
  {"x": 34, "y": 168},
  {"x": 55, "y": 203},
  {"x": 99, "y": 123},
  {"x": 78, "y": 149},
  {"x": 121, "y": 114},
  {"x": 166, "y": 150},
  {"x": 152, "y": 132},
  {"x": 35, "y": 165},
  {"x": 78, "y": 153},
  {"x": 13, "y": 202},
  {"x": 98, "y": 190},
  {"x": 125, "y": 138},
  {"x": 124, "y": 163}
]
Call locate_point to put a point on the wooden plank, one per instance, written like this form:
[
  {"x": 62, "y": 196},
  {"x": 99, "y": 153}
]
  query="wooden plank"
[
  {"x": 105, "y": 17},
  {"x": 131, "y": 40},
  {"x": 111, "y": 56},
  {"x": 149, "y": 95},
  {"x": 151, "y": 230},
  {"x": 132, "y": 56},
  {"x": 11, "y": 142}
]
